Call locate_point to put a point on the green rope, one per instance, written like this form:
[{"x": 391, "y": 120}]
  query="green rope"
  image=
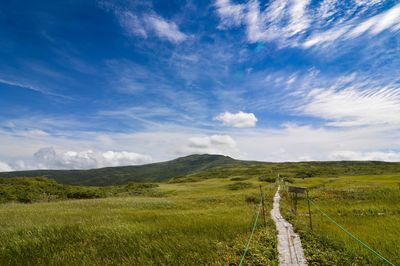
[
  {"x": 251, "y": 236},
  {"x": 353, "y": 236}
]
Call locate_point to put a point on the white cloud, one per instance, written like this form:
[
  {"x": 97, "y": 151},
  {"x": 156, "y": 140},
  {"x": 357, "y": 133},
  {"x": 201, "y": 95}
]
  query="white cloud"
[
  {"x": 296, "y": 143},
  {"x": 48, "y": 158},
  {"x": 214, "y": 144},
  {"x": 328, "y": 36},
  {"x": 279, "y": 21},
  {"x": 365, "y": 156},
  {"x": 230, "y": 14},
  {"x": 30, "y": 86},
  {"x": 376, "y": 24},
  {"x": 131, "y": 23},
  {"x": 144, "y": 24},
  {"x": 296, "y": 23},
  {"x": 288, "y": 143},
  {"x": 355, "y": 107},
  {"x": 165, "y": 29},
  {"x": 299, "y": 17},
  {"x": 239, "y": 119},
  {"x": 4, "y": 167},
  {"x": 34, "y": 133},
  {"x": 211, "y": 141},
  {"x": 255, "y": 31},
  {"x": 388, "y": 20}
]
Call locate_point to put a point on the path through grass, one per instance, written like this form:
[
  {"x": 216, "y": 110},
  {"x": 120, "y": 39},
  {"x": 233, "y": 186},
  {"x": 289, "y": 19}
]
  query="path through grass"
[{"x": 368, "y": 206}]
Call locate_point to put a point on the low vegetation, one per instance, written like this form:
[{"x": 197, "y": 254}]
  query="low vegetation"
[
  {"x": 186, "y": 224},
  {"x": 41, "y": 189},
  {"x": 239, "y": 185},
  {"x": 269, "y": 179}
]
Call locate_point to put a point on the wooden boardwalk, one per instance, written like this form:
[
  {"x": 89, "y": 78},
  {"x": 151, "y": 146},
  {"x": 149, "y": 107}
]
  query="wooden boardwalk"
[{"x": 289, "y": 244}]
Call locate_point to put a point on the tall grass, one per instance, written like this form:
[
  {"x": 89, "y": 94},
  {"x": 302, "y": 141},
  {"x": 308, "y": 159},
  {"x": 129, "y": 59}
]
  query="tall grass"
[{"x": 199, "y": 223}]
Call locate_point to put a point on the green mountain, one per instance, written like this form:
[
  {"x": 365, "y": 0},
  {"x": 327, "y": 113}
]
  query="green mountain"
[
  {"x": 198, "y": 167},
  {"x": 154, "y": 172}
]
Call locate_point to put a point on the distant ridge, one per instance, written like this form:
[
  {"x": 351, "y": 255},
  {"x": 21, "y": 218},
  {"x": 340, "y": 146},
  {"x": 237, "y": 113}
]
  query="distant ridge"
[
  {"x": 154, "y": 172},
  {"x": 198, "y": 167}
]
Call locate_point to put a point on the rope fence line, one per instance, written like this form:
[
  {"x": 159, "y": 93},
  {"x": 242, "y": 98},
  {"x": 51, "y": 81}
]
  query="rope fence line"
[
  {"x": 370, "y": 249},
  {"x": 251, "y": 235}
]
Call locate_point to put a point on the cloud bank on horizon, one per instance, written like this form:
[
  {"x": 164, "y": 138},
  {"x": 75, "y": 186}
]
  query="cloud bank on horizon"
[{"x": 135, "y": 82}]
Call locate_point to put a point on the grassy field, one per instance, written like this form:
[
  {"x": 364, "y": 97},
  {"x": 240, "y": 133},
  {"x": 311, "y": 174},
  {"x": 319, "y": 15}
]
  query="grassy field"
[
  {"x": 201, "y": 218},
  {"x": 200, "y": 223},
  {"x": 367, "y": 205}
]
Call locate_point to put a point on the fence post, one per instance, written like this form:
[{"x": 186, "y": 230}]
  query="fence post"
[
  {"x": 262, "y": 204},
  {"x": 309, "y": 210}
]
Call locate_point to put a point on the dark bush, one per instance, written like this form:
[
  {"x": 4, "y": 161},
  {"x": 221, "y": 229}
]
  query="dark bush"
[
  {"x": 84, "y": 193},
  {"x": 240, "y": 185},
  {"x": 251, "y": 199},
  {"x": 240, "y": 178},
  {"x": 289, "y": 180},
  {"x": 269, "y": 179},
  {"x": 304, "y": 174}
]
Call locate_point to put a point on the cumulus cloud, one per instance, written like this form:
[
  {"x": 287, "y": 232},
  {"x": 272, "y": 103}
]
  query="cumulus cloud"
[
  {"x": 239, "y": 120},
  {"x": 296, "y": 143},
  {"x": 366, "y": 156},
  {"x": 48, "y": 158},
  {"x": 4, "y": 167},
  {"x": 214, "y": 144}
]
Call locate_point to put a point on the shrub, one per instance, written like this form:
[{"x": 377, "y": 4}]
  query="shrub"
[
  {"x": 251, "y": 199},
  {"x": 84, "y": 193},
  {"x": 240, "y": 185},
  {"x": 269, "y": 179},
  {"x": 239, "y": 178}
]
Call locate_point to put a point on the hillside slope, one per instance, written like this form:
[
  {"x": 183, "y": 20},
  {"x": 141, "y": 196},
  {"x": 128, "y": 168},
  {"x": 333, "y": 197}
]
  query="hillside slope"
[
  {"x": 154, "y": 172},
  {"x": 199, "y": 167}
]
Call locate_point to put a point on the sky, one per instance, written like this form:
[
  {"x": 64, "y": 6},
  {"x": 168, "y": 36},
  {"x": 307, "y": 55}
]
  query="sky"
[{"x": 86, "y": 84}]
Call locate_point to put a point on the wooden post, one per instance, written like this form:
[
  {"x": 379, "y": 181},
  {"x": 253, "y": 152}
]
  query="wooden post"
[
  {"x": 262, "y": 204},
  {"x": 309, "y": 210}
]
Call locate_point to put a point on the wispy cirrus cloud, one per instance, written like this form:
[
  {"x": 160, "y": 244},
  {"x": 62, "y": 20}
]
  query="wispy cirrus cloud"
[
  {"x": 300, "y": 23},
  {"x": 145, "y": 24},
  {"x": 388, "y": 20},
  {"x": 230, "y": 14},
  {"x": 165, "y": 29},
  {"x": 28, "y": 86},
  {"x": 355, "y": 107},
  {"x": 131, "y": 23}
]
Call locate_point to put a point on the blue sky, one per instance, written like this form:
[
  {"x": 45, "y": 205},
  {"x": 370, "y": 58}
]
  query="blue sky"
[{"x": 103, "y": 83}]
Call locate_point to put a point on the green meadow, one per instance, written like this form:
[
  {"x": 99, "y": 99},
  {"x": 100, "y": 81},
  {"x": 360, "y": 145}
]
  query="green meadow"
[
  {"x": 198, "y": 210},
  {"x": 200, "y": 223}
]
